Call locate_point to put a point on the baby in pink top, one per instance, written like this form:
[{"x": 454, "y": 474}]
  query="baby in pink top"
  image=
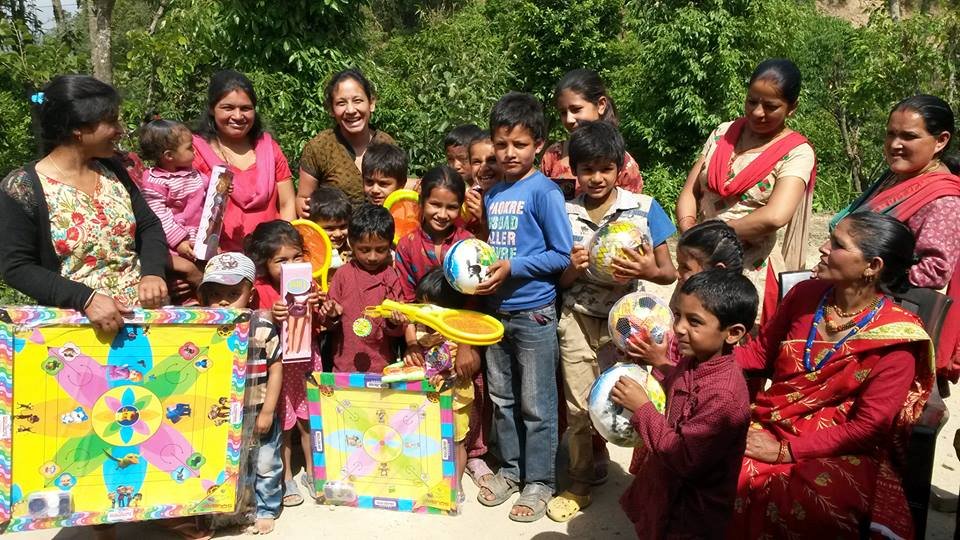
[{"x": 173, "y": 189}]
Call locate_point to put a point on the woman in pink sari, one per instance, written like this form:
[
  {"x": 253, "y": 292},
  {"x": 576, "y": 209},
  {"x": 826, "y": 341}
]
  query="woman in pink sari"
[
  {"x": 921, "y": 188},
  {"x": 230, "y": 134},
  {"x": 851, "y": 372},
  {"x": 757, "y": 175}
]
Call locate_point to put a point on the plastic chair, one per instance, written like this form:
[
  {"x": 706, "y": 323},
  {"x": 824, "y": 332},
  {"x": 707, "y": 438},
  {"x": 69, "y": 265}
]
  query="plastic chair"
[{"x": 931, "y": 306}]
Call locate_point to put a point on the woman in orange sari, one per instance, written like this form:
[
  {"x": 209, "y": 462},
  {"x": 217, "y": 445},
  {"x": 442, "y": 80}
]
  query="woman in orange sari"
[
  {"x": 851, "y": 372},
  {"x": 921, "y": 188},
  {"x": 757, "y": 175}
]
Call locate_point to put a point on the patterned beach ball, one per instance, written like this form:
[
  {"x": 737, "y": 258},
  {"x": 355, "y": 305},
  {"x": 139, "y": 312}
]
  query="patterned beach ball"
[
  {"x": 641, "y": 314},
  {"x": 612, "y": 421},
  {"x": 608, "y": 243},
  {"x": 466, "y": 264}
]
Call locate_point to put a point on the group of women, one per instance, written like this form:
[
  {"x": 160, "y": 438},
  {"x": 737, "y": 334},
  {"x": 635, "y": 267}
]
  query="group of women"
[{"x": 80, "y": 236}]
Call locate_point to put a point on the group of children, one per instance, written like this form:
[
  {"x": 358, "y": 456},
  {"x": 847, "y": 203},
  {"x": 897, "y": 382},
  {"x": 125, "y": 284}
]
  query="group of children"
[{"x": 552, "y": 305}]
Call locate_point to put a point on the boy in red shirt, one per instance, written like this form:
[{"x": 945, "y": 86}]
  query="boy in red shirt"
[
  {"x": 361, "y": 343},
  {"x": 686, "y": 479}
]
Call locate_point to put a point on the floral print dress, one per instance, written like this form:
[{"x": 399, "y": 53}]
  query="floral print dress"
[{"x": 94, "y": 237}]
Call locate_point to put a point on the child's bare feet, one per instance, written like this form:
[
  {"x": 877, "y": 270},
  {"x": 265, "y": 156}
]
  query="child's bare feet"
[{"x": 264, "y": 525}]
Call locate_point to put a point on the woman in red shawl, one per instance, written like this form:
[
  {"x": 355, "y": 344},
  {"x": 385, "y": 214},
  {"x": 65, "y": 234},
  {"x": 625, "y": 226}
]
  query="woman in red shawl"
[
  {"x": 757, "y": 175},
  {"x": 850, "y": 372},
  {"x": 921, "y": 188}
]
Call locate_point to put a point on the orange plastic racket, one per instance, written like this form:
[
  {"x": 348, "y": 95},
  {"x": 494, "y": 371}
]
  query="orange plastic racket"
[
  {"x": 319, "y": 250},
  {"x": 457, "y": 325},
  {"x": 404, "y": 206}
]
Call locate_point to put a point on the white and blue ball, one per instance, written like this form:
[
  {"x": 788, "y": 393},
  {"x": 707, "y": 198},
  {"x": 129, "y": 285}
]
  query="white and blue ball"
[{"x": 466, "y": 264}]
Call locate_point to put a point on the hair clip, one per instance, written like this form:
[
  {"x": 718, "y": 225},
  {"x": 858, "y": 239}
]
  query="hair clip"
[{"x": 37, "y": 98}]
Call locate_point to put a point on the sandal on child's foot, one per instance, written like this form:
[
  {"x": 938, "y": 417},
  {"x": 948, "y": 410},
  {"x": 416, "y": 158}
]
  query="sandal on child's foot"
[
  {"x": 291, "y": 494},
  {"x": 535, "y": 498},
  {"x": 307, "y": 483},
  {"x": 478, "y": 471},
  {"x": 564, "y": 506},
  {"x": 499, "y": 488}
]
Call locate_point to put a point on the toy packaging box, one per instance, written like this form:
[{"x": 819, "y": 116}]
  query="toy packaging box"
[
  {"x": 143, "y": 424},
  {"x": 211, "y": 218},
  {"x": 296, "y": 284},
  {"x": 382, "y": 446}
]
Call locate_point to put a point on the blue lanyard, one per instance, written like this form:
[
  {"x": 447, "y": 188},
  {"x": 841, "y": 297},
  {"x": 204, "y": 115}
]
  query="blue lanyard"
[{"x": 817, "y": 317}]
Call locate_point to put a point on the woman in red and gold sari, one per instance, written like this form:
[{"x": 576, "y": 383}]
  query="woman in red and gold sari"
[
  {"x": 850, "y": 373},
  {"x": 921, "y": 188},
  {"x": 757, "y": 175}
]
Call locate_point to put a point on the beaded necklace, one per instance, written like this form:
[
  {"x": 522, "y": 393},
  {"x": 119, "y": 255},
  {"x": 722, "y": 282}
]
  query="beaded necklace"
[{"x": 817, "y": 317}]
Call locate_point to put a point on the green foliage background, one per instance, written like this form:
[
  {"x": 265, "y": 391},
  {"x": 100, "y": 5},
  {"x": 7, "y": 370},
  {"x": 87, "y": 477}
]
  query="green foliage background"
[{"x": 676, "y": 68}]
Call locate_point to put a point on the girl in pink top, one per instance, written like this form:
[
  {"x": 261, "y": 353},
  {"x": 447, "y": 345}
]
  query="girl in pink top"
[
  {"x": 231, "y": 134},
  {"x": 581, "y": 96}
]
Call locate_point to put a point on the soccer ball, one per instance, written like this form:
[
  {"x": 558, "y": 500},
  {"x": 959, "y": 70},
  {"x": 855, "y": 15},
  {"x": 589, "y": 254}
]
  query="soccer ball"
[
  {"x": 640, "y": 314},
  {"x": 612, "y": 421},
  {"x": 466, "y": 264},
  {"x": 608, "y": 243}
]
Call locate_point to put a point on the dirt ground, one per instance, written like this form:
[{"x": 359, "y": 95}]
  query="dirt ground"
[{"x": 603, "y": 519}]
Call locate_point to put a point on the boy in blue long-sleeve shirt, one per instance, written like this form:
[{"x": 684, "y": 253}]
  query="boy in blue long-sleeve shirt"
[{"x": 530, "y": 232}]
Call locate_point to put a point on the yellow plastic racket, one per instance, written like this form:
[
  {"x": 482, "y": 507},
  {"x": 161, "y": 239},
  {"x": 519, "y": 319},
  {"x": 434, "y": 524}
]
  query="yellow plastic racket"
[
  {"x": 319, "y": 250},
  {"x": 404, "y": 206},
  {"x": 458, "y": 325}
]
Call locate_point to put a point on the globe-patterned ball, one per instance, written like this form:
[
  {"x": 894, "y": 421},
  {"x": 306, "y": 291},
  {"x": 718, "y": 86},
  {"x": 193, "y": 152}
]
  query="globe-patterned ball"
[
  {"x": 612, "y": 421},
  {"x": 641, "y": 314},
  {"x": 608, "y": 243},
  {"x": 465, "y": 264}
]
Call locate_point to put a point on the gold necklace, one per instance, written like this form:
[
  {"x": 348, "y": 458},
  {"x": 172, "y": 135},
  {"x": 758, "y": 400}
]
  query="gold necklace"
[
  {"x": 223, "y": 152},
  {"x": 59, "y": 170},
  {"x": 930, "y": 166},
  {"x": 834, "y": 327},
  {"x": 63, "y": 174}
]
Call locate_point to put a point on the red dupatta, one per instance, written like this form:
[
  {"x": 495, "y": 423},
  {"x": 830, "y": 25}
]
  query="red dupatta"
[
  {"x": 798, "y": 498},
  {"x": 902, "y": 201},
  {"x": 718, "y": 174},
  {"x": 718, "y": 171},
  {"x": 799, "y": 401},
  {"x": 247, "y": 197},
  {"x": 906, "y": 198}
]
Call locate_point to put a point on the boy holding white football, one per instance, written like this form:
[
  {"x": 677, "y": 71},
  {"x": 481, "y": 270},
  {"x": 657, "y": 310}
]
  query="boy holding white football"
[
  {"x": 596, "y": 151},
  {"x": 687, "y": 464}
]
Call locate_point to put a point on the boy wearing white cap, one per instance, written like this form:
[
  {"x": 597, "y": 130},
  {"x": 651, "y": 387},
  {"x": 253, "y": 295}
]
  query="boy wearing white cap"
[{"x": 228, "y": 283}]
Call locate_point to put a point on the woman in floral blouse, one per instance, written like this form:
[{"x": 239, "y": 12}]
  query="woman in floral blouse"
[
  {"x": 921, "y": 187},
  {"x": 78, "y": 234}
]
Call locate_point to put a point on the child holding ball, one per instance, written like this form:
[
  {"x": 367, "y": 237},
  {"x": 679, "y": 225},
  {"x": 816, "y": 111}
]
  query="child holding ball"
[
  {"x": 689, "y": 460},
  {"x": 596, "y": 152}
]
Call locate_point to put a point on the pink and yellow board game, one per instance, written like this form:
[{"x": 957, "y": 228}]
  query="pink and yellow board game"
[
  {"x": 382, "y": 446},
  {"x": 140, "y": 425}
]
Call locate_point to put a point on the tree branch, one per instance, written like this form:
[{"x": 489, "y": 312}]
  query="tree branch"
[{"x": 156, "y": 17}]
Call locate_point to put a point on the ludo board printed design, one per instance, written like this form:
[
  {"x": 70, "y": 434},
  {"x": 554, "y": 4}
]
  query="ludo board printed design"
[{"x": 144, "y": 424}]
